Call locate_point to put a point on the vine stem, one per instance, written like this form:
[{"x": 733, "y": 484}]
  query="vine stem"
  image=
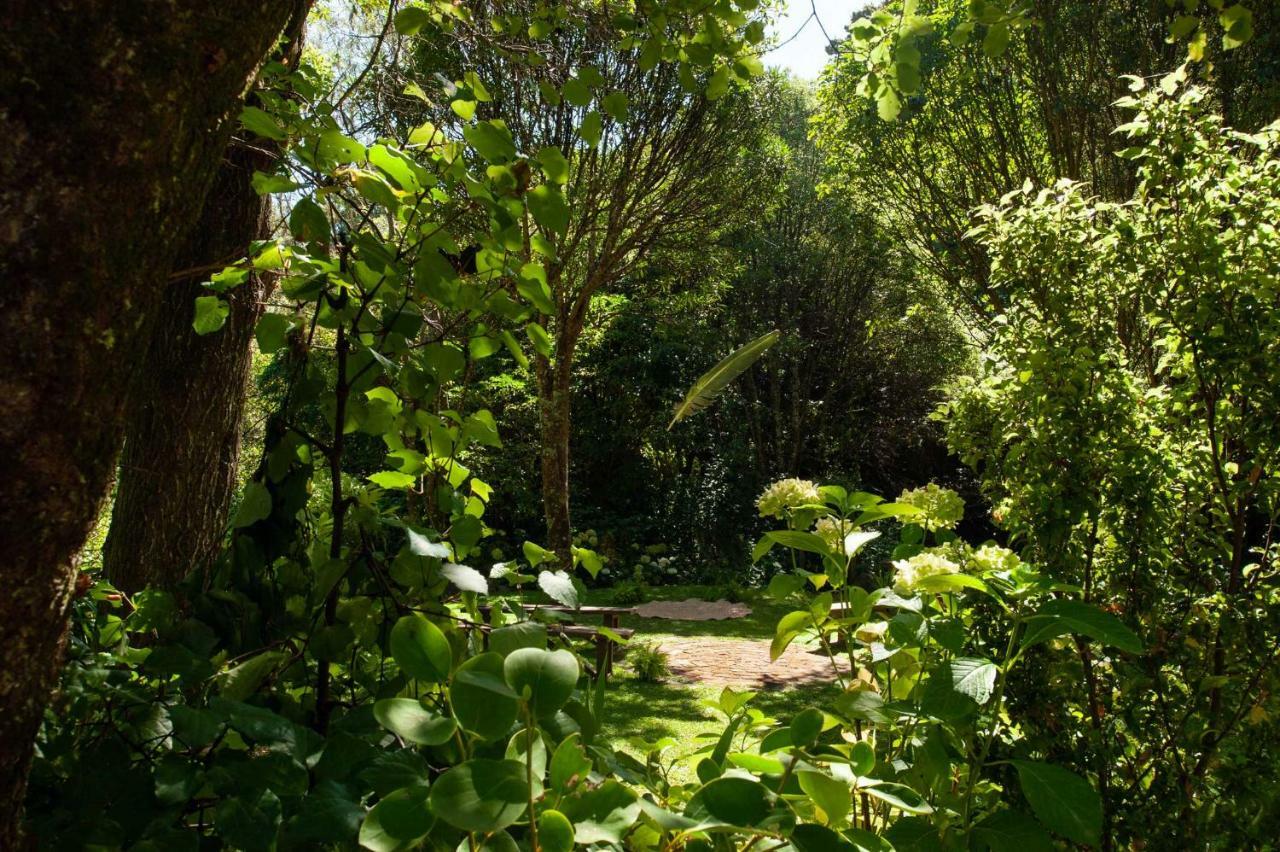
[
  {"x": 528, "y": 764},
  {"x": 975, "y": 768}
]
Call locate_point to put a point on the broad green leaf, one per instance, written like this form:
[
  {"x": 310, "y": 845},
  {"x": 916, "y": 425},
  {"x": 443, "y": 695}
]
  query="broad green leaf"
[
  {"x": 308, "y": 222},
  {"x": 409, "y": 720},
  {"x": 1066, "y": 803},
  {"x": 546, "y": 679},
  {"x": 555, "y": 832},
  {"x": 806, "y": 727},
  {"x": 549, "y": 208},
  {"x": 481, "y": 794},
  {"x": 714, "y": 381},
  {"x": 1010, "y": 831},
  {"x": 492, "y": 140},
  {"x": 397, "y": 821},
  {"x": 211, "y": 314},
  {"x": 559, "y": 586},
  {"x": 255, "y": 505},
  {"x": 1064, "y": 615},
  {"x": 799, "y": 540},
  {"x": 833, "y": 796},
  {"x": 554, "y": 165},
  {"x": 736, "y": 801},
  {"x": 974, "y": 677},
  {"x": 261, "y": 123},
  {"x": 421, "y": 649},
  {"x": 420, "y": 545},
  {"x": 271, "y": 331},
  {"x": 411, "y": 19},
  {"x": 525, "y": 634},
  {"x": 244, "y": 679},
  {"x": 481, "y": 700},
  {"x": 569, "y": 764}
]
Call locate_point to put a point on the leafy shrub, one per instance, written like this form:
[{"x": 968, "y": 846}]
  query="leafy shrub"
[
  {"x": 629, "y": 593},
  {"x": 648, "y": 662}
]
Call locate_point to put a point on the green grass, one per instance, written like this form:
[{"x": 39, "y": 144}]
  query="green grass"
[{"x": 635, "y": 710}]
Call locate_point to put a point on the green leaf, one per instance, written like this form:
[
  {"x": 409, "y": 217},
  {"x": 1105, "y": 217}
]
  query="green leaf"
[
  {"x": 525, "y": 634},
  {"x": 255, "y": 505},
  {"x": 481, "y": 794},
  {"x": 570, "y": 765},
  {"x": 733, "y": 800},
  {"x": 996, "y": 40},
  {"x": 616, "y": 105},
  {"x": 1010, "y": 831},
  {"x": 492, "y": 140},
  {"x": 555, "y": 832},
  {"x": 261, "y": 123},
  {"x": 554, "y": 165},
  {"x": 833, "y": 796},
  {"x": 411, "y": 19},
  {"x": 546, "y": 679},
  {"x": 409, "y": 720},
  {"x": 1063, "y": 801},
  {"x": 421, "y": 649},
  {"x": 806, "y": 727},
  {"x": 1064, "y": 615},
  {"x": 549, "y": 208},
  {"x": 536, "y": 554},
  {"x": 242, "y": 681},
  {"x": 888, "y": 106},
  {"x": 576, "y": 92},
  {"x": 397, "y": 821},
  {"x": 974, "y": 677},
  {"x": 789, "y": 627},
  {"x": 559, "y": 585},
  {"x": 899, "y": 796},
  {"x": 1237, "y": 26},
  {"x": 271, "y": 331},
  {"x": 266, "y": 184},
  {"x": 591, "y": 128},
  {"x": 799, "y": 540},
  {"x": 211, "y": 314},
  {"x": 392, "y": 480},
  {"x": 715, "y": 380},
  {"x": 481, "y": 700},
  {"x": 308, "y": 222}
]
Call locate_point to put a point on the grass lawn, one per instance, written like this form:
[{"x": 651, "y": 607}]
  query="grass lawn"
[{"x": 650, "y": 711}]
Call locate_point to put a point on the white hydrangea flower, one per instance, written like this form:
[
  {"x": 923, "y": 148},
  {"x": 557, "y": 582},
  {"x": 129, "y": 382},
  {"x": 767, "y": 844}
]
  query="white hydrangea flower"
[
  {"x": 911, "y": 572},
  {"x": 941, "y": 508},
  {"x": 787, "y": 494},
  {"x": 832, "y": 531}
]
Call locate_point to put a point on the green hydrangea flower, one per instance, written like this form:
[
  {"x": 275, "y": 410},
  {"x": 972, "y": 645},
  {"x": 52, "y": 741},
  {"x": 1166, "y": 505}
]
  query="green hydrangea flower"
[{"x": 941, "y": 508}]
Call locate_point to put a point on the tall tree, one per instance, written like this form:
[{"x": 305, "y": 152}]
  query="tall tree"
[
  {"x": 644, "y": 150},
  {"x": 184, "y": 416},
  {"x": 116, "y": 116}
]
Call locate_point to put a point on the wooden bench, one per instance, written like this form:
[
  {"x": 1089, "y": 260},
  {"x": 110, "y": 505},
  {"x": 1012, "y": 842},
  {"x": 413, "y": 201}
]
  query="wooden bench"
[{"x": 610, "y": 617}]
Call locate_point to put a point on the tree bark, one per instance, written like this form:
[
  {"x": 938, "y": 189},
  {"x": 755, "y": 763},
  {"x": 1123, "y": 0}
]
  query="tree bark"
[
  {"x": 555, "y": 407},
  {"x": 184, "y": 415},
  {"x": 115, "y": 116}
]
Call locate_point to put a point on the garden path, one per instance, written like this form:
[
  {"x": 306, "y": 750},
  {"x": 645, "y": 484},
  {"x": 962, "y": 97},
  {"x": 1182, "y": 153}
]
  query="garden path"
[{"x": 744, "y": 663}]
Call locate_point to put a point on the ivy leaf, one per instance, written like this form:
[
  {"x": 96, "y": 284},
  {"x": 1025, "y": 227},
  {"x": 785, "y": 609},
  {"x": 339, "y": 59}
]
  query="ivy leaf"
[{"x": 211, "y": 314}]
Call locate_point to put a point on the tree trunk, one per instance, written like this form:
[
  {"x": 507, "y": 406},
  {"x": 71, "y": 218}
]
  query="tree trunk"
[
  {"x": 183, "y": 419},
  {"x": 554, "y": 411},
  {"x": 115, "y": 116}
]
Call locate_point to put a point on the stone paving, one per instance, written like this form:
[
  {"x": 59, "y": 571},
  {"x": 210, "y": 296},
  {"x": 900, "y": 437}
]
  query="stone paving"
[{"x": 744, "y": 663}]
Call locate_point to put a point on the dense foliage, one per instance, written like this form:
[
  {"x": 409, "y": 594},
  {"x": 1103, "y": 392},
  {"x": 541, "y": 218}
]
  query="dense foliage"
[{"x": 509, "y": 244}]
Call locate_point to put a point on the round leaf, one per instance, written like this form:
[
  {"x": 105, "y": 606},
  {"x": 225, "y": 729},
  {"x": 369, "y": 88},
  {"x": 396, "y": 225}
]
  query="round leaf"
[
  {"x": 482, "y": 701},
  {"x": 397, "y": 820},
  {"x": 545, "y": 678},
  {"x": 409, "y": 720},
  {"x": 481, "y": 794},
  {"x": 555, "y": 832},
  {"x": 421, "y": 649}
]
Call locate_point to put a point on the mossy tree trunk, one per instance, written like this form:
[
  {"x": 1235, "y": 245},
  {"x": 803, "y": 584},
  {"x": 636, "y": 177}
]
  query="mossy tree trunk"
[
  {"x": 115, "y": 116},
  {"x": 185, "y": 412}
]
